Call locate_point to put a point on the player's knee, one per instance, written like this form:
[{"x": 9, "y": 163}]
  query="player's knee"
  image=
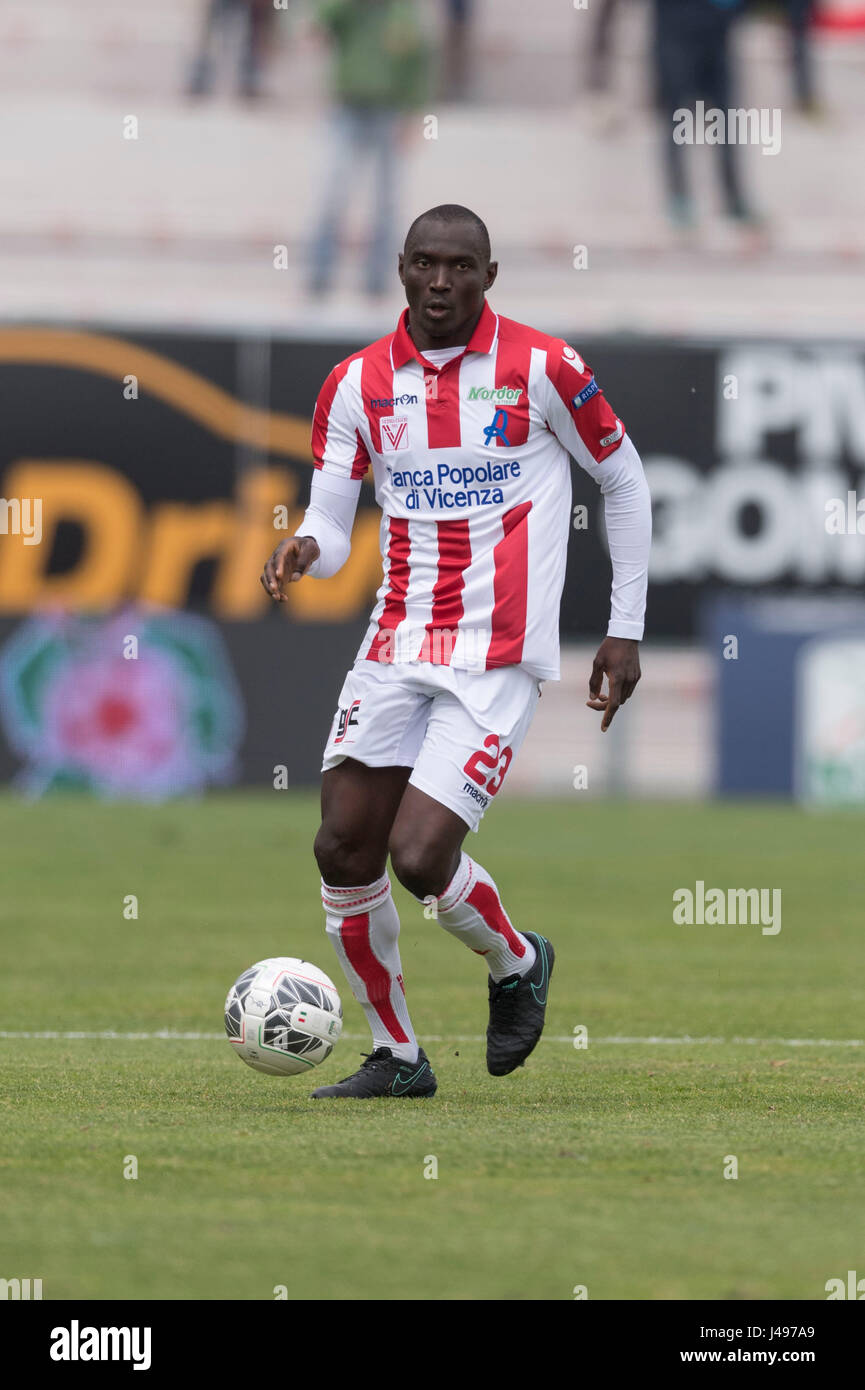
[
  {"x": 346, "y": 860},
  {"x": 422, "y": 869}
]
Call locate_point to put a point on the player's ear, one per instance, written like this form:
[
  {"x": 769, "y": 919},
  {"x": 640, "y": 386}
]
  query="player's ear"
[
  {"x": 400, "y": 262},
  {"x": 492, "y": 272}
]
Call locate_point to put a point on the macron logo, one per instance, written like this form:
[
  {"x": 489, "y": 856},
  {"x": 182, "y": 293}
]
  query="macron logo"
[
  {"x": 75, "y": 1343},
  {"x": 388, "y": 402}
]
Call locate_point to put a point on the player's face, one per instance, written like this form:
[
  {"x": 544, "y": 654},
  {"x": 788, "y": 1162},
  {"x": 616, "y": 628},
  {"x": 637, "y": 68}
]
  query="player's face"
[{"x": 445, "y": 272}]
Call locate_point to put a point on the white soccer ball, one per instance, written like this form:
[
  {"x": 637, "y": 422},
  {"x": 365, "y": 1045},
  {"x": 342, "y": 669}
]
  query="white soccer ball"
[{"x": 283, "y": 1016}]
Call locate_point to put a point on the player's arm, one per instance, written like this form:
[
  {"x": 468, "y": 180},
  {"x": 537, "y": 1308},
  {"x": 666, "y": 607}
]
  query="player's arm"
[
  {"x": 628, "y": 519},
  {"x": 585, "y": 424},
  {"x": 322, "y": 542}
]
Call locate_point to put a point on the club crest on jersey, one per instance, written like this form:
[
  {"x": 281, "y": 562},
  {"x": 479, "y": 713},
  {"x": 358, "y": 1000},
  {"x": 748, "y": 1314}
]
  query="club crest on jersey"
[
  {"x": 394, "y": 434},
  {"x": 571, "y": 355}
]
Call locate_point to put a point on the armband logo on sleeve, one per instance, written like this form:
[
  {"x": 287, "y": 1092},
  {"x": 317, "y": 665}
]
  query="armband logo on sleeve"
[
  {"x": 611, "y": 438},
  {"x": 586, "y": 394}
]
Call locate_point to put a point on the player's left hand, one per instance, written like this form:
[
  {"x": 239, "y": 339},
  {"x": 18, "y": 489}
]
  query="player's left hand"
[{"x": 618, "y": 658}]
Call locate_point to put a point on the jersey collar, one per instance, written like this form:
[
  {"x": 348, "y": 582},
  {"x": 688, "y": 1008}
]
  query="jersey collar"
[{"x": 402, "y": 349}]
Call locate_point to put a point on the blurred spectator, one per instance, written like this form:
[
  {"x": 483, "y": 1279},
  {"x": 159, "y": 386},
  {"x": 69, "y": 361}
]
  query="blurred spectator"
[
  {"x": 801, "y": 16},
  {"x": 693, "y": 63},
  {"x": 600, "y": 49},
  {"x": 252, "y": 21},
  {"x": 380, "y": 58},
  {"x": 455, "y": 56}
]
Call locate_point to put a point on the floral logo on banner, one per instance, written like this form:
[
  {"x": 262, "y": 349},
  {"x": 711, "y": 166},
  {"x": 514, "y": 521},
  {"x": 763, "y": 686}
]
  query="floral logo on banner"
[{"x": 142, "y": 704}]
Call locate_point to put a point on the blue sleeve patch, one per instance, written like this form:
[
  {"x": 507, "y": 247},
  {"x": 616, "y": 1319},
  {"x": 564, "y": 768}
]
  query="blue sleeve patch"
[{"x": 586, "y": 394}]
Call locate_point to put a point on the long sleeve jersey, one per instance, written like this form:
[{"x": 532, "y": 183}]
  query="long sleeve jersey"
[{"x": 470, "y": 462}]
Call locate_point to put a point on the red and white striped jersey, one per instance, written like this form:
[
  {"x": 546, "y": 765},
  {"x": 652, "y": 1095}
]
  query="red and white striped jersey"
[{"x": 471, "y": 471}]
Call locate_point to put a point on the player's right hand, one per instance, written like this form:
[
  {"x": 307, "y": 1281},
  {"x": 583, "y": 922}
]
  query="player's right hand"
[{"x": 289, "y": 561}]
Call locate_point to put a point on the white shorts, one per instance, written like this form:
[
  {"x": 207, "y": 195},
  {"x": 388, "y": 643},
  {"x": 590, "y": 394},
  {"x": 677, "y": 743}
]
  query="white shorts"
[{"x": 457, "y": 730}]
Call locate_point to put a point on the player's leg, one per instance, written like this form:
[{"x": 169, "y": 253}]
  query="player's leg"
[
  {"x": 459, "y": 770},
  {"x": 428, "y": 859},
  {"x": 358, "y": 808},
  {"x": 381, "y": 721}
]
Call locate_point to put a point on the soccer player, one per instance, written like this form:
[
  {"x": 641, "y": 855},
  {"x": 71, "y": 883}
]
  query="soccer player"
[{"x": 467, "y": 420}]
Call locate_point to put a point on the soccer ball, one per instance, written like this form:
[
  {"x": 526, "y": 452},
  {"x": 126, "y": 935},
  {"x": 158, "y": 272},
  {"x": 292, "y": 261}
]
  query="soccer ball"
[{"x": 283, "y": 1016}]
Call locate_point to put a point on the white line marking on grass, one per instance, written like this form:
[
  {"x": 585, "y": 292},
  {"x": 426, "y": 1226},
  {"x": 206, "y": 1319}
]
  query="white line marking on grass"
[
  {"x": 167, "y": 1035},
  {"x": 109, "y": 1035},
  {"x": 738, "y": 1042}
]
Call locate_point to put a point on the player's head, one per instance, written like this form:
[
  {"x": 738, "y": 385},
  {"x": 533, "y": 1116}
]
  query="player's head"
[{"x": 446, "y": 269}]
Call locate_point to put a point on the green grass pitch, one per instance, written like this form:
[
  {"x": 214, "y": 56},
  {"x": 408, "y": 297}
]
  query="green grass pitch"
[{"x": 601, "y": 1167}]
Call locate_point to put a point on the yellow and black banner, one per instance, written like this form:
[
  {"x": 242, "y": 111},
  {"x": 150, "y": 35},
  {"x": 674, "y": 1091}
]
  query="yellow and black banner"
[{"x": 145, "y": 477}]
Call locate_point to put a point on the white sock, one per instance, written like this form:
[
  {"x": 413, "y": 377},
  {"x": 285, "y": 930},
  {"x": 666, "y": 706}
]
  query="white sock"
[
  {"x": 363, "y": 925},
  {"x": 470, "y": 908}
]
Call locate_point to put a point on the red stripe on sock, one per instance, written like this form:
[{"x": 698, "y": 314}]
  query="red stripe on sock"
[
  {"x": 354, "y": 935},
  {"x": 485, "y": 900}
]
